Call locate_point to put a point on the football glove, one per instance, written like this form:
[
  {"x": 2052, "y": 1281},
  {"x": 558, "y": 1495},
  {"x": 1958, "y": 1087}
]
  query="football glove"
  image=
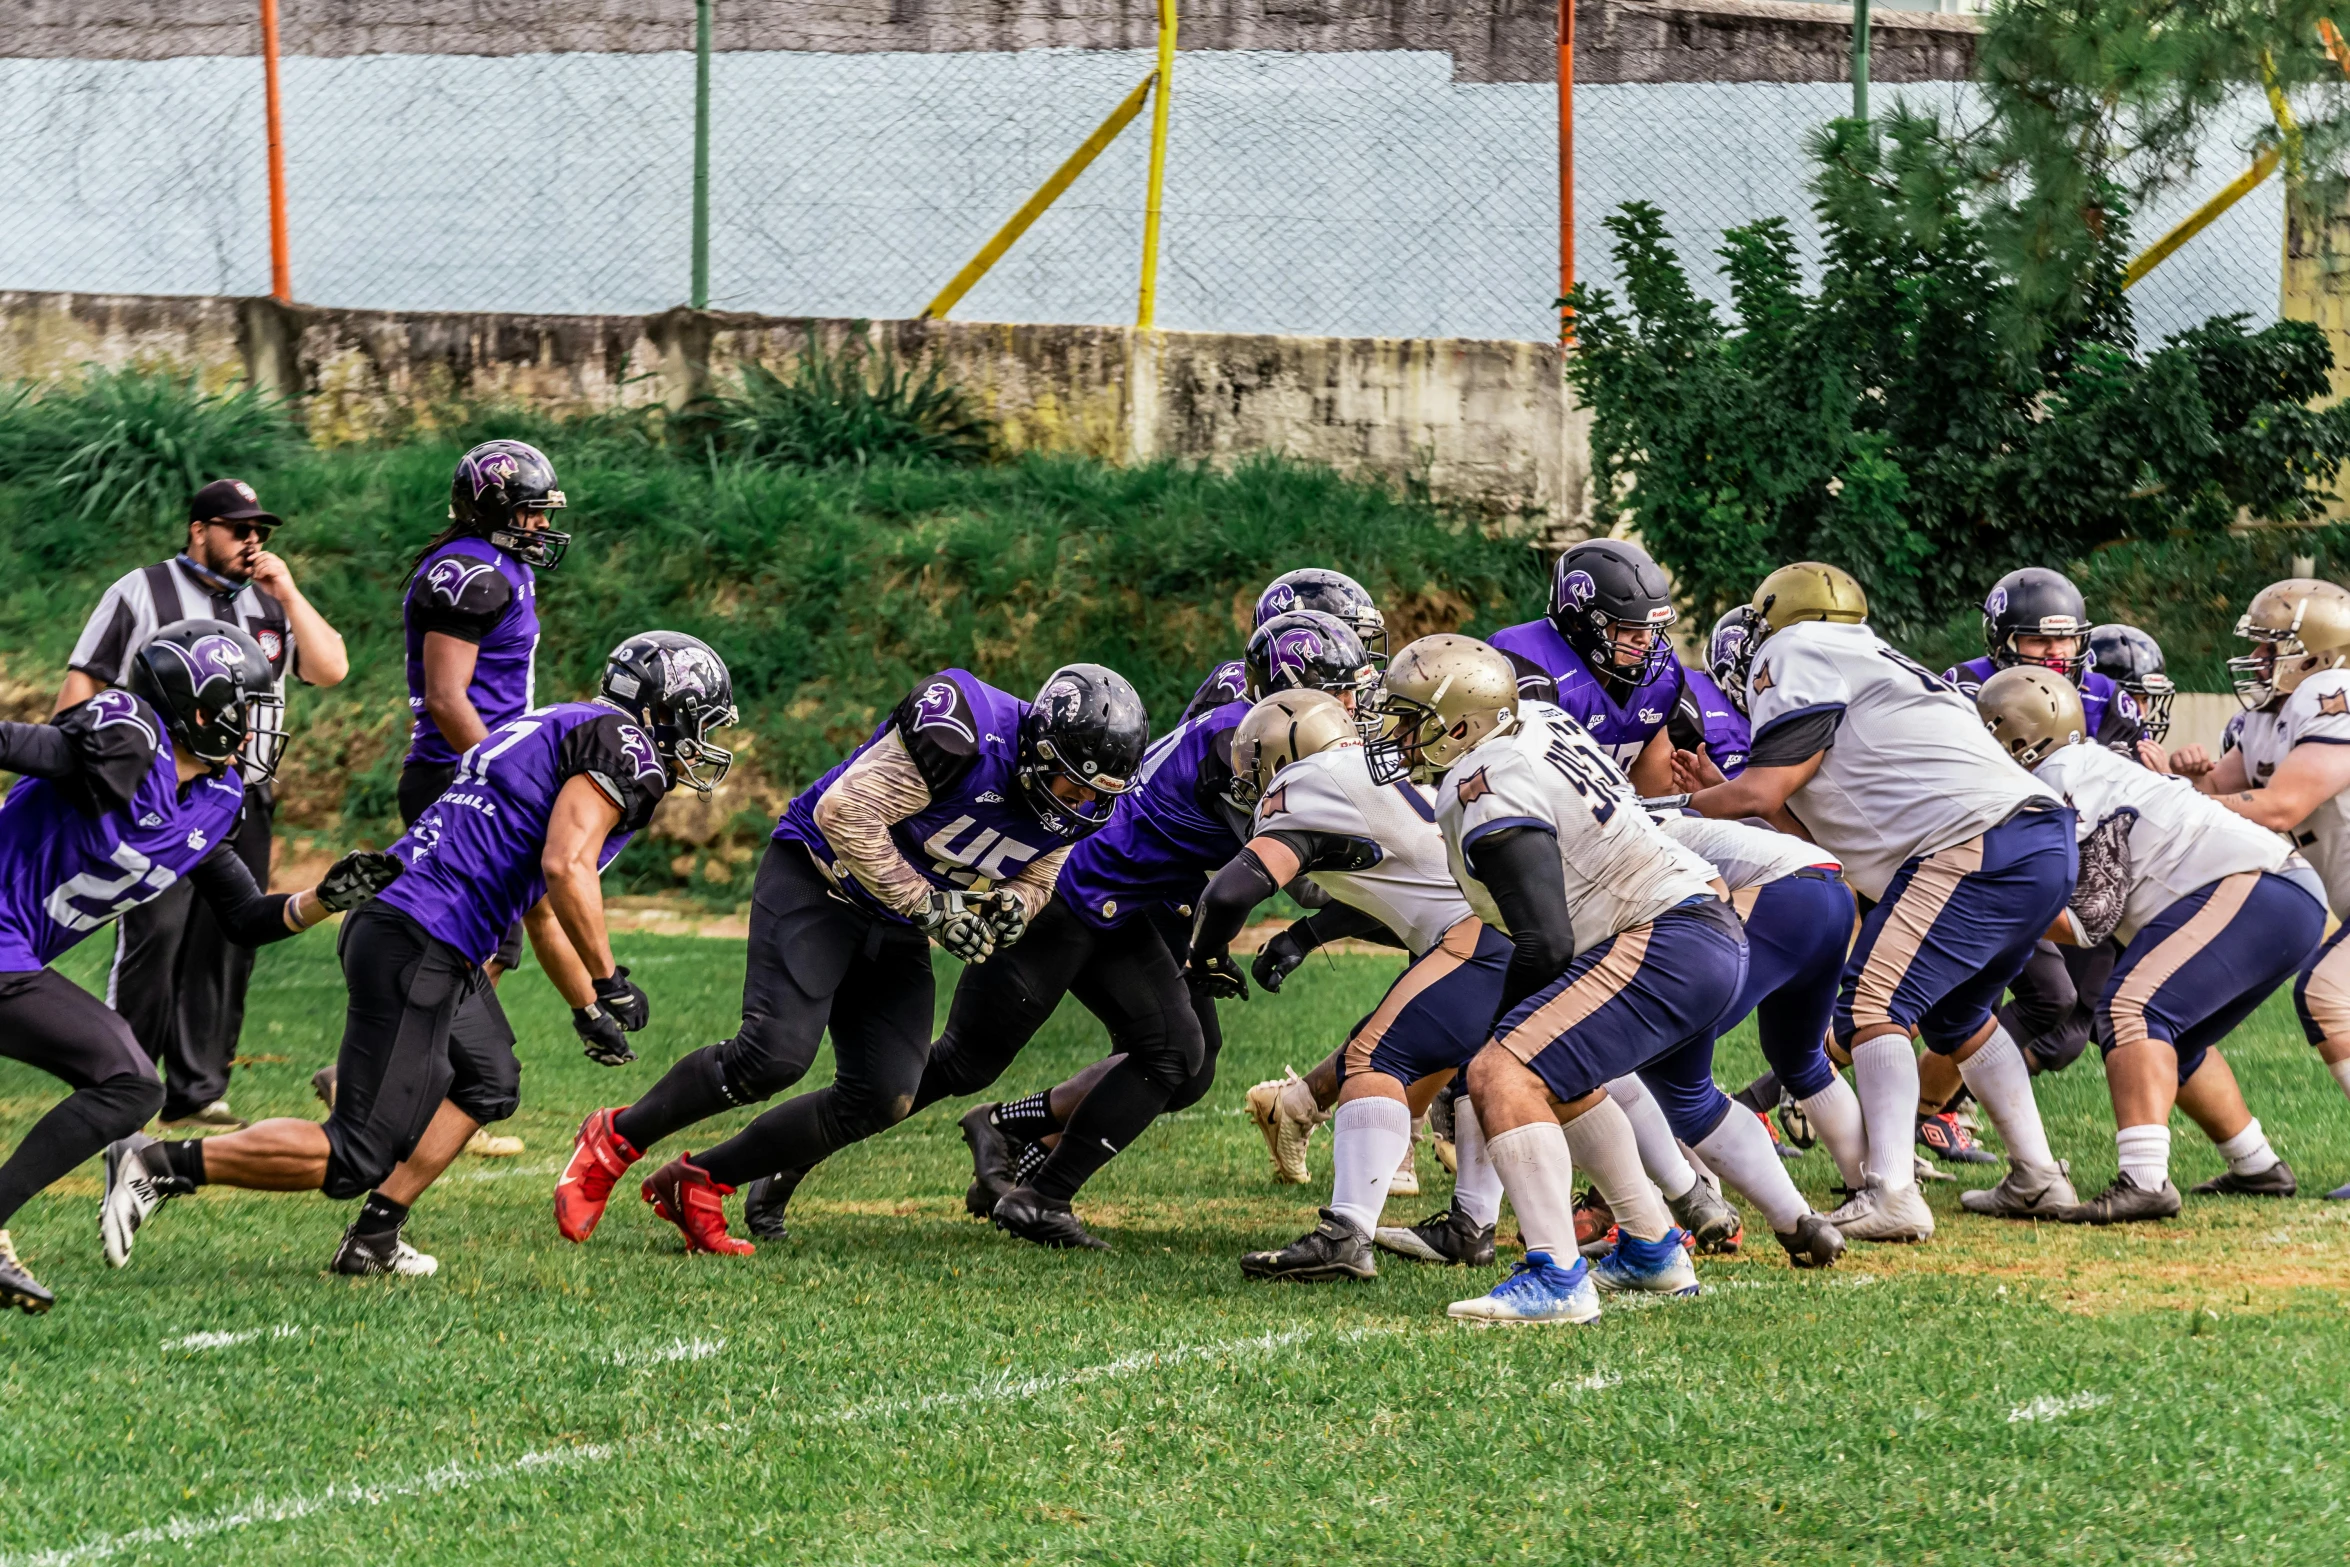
[
  {"x": 1278, "y": 960},
  {"x": 619, "y": 995},
  {"x": 961, "y": 927},
  {"x": 1005, "y": 914},
  {"x": 1218, "y": 978},
  {"x": 355, "y": 878},
  {"x": 600, "y": 1036}
]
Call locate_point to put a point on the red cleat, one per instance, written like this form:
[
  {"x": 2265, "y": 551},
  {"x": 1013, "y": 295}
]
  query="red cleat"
[
  {"x": 1595, "y": 1224},
  {"x": 599, "y": 1159},
  {"x": 685, "y": 1195}
]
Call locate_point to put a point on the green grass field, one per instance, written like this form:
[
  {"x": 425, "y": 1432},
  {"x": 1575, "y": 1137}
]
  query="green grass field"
[{"x": 898, "y": 1383}]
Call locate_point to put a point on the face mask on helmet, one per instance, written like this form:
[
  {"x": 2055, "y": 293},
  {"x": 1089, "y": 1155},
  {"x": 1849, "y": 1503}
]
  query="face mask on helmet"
[
  {"x": 1080, "y": 743},
  {"x": 1729, "y": 653},
  {"x": 217, "y": 695},
  {"x": 1443, "y": 696},
  {"x": 1332, "y": 593},
  {"x": 2132, "y": 660}
]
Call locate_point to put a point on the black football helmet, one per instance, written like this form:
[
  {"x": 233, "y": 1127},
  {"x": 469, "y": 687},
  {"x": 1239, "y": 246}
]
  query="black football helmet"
[
  {"x": 494, "y": 485},
  {"x": 1334, "y": 593},
  {"x": 678, "y": 688},
  {"x": 2036, "y": 602},
  {"x": 217, "y": 695},
  {"x": 1308, "y": 650},
  {"x": 2133, "y": 660},
  {"x": 1086, "y": 725},
  {"x": 1729, "y": 652},
  {"x": 1602, "y": 584}
]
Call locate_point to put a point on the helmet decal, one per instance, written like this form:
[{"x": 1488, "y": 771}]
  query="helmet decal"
[
  {"x": 1295, "y": 651},
  {"x": 494, "y": 468},
  {"x": 1996, "y": 604},
  {"x": 1580, "y": 589},
  {"x": 209, "y": 659},
  {"x": 451, "y": 573},
  {"x": 692, "y": 670},
  {"x": 936, "y": 708},
  {"x": 1063, "y": 701},
  {"x": 1279, "y": 599}
]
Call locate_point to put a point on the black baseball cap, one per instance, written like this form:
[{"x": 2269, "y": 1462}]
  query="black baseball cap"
[{"x": 229, "y": 500}]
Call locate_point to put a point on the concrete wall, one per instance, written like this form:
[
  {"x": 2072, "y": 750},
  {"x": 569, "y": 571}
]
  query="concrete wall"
[{"x": 1483, "y": 424}]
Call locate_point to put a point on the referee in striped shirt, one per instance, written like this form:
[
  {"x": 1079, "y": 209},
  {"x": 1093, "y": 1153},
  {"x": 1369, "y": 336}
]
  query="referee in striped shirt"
[{"x": 177, "y": 979}]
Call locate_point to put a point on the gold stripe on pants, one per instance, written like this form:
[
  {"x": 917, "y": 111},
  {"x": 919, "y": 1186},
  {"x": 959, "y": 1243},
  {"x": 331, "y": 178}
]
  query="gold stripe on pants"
[
  {"x": 1599, "y": 985},
  {"x": 1907, "y": 924},
  {"x": 2151, "y": 972},
  {"x": 1457, "y": 946}
]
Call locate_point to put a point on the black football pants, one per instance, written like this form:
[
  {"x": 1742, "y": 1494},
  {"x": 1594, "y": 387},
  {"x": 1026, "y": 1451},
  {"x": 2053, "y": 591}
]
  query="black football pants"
[{"x": 48, "y": 1021}]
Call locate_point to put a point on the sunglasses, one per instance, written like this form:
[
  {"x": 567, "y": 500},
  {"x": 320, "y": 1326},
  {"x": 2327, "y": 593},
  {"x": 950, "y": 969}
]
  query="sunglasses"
[{"x": 241, "y": 531}]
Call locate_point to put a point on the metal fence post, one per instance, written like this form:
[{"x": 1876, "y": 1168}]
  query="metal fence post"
[
  {"x": 701, "y": 288},
  {"x": 1860, "y": 59},
  {"x": 281, "y": 272},
  {"x": 1566, "y": 46},
  {"x": 1146, "y": 311}
]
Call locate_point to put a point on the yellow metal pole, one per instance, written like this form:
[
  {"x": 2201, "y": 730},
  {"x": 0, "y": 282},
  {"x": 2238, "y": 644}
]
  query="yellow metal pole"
[
  {"x": 1033, "y": 208},
  {"x": 2199, "y": 220},
  {"x": 1146, "y": 311}
]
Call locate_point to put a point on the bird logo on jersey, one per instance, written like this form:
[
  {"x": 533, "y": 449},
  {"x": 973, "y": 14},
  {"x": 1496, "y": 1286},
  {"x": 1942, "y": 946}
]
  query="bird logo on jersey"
[
  {"x": 1296, "y": 651},
  {"x": 638, "y": 749},
  {"x": 2334, "y": 706},
  {"x": 451, "y": 573},
  {"x": 935, "y": 709},
  {"x": 496, "y": 468},
  {"x": 117, "y": 706},
  {"x": 1580, "y": 588},
  {"x": 1474, "y": 788}
]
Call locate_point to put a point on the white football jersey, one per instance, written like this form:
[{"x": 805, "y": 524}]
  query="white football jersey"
[
  {"x": 2317, "y": 713},
  {"x": 1745, "y": 856},
  {"x": 2181, "y": 840},
  {"x": 1910, "y": 769},
  {"x": 1621, "y": 868},
  {"x": 1405, "y": 883}
]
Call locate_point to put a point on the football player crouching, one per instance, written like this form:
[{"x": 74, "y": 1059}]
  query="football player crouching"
[{"x": 2212, "y": 914}]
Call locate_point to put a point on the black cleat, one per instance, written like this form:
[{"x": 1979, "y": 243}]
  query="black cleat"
[
  {"x": 991, "y": 1161},
  {"x": 364, "y": 1256},
  {"x": 1333, "y": 1249},
  {"x": 764, "y": 1201},
  {"x": 1813, "y": 1243},
  {"x": 2275, "y": 1181},
  {"x": 1447, "y": 1237},
  {"x": 1702, "y": 1212},
  {"x": 1795, "y": 1125},
  {"x": 2125, "y": 1202},
  {"x": 1029, "y": 1214},
  {"x": 18, "y": 1287}
]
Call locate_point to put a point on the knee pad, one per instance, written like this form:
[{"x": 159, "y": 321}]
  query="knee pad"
[
  {"x": 122, "y": 1104},
  {"x": 766, "y": 1056}
]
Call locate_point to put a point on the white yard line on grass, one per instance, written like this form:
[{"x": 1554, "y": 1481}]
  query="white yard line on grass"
[
  {"x": 2047, "y": 1408},
  {"x": 678, "y": 1349},
  {"x": 204, "y": 1341}
]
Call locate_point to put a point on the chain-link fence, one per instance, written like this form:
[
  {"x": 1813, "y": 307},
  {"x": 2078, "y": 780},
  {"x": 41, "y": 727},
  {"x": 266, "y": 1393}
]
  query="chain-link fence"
[{"x": 1381, "y": 192}]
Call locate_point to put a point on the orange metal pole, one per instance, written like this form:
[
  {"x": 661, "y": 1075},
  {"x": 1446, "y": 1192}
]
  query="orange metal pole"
[
  {"x": 1566, "y": 42},
  {"x": 281, "y": 277}
]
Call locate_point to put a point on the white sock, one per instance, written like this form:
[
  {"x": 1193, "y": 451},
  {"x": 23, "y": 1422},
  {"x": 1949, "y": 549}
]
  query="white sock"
[
  {"x": 2002, "y": 1085},
  {"x": 2341, "y": 1071},
  {"x": 1476, "y": 1187},
  {"x": 1539, "y": 1174},
  {"x": 1740, "y": 1151},
  {"x": 1660, "y": 1155},
  {"x": 1368, "y": 1138},
  {"x": 1835, "y": 1116},
  {"x": 2248, "y": 1152},
  {"x": 1297, "y": 1103},
  {"x": 1605, "y": 1147},
  {"x": 2145, "y": 1153},
  {"x": 1885, "y": 1073}
]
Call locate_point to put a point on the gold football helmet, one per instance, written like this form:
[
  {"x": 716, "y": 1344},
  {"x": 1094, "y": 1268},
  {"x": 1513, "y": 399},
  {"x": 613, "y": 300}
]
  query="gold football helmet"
[
  {"x": 2031, "y": 710},
  {"x": 1279, "y": 730},
  {"x": 1807, "y": 590},
  {"x": 2297, "y": 627},
  {"x": 1443, "y": 695}
]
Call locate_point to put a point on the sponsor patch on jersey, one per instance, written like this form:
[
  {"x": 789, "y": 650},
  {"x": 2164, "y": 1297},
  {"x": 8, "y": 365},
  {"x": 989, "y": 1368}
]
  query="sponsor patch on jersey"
[
  {"x": 987, "y": 796},
  {"x": 1273, "y": 804},
  {"x": 150, "y": 820},
  {"x": 936, "y": 708},
  {"x": 196, "y": 840},
  {"x": 1762, "y": 678},
  {"x": 2334, "y": 706},
  {"x": 1649, "y": 715},
  {"x": 451, "y": 573},
  {"x": 1473, "y": 788}
]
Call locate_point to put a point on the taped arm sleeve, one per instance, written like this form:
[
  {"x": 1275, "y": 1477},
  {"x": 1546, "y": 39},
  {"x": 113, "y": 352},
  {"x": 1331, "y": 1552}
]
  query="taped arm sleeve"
[
  {"x": 37, "y": 751},
  {"x": 1034, "y": 885},
  {"x": 878, "y": 789},
  {"x": 1240, "y": 886},
  {"x": 1520, "y": 868},
  {"x": 251, "y": 917}
]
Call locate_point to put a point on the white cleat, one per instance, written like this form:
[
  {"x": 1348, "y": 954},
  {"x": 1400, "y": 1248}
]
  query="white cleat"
[
  {"x": 1538, "y": 1290},
  {"x": 486, "y": 1144},
  {"x": 1875, "y": 1214},
  {"x": 129, "y": 1198},
  {"x": 1274, "y": 1106},
  {"x": 1405, "y": 1182},
  {"x": 2024, "y": 1194}
]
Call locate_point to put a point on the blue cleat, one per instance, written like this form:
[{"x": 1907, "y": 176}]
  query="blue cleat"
[
  {"x": 1638, "y": 1267},
  {"x": 1539, "y": 1290}
]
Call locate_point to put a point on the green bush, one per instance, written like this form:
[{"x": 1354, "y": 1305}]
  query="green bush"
[{"x": 856, "y": 406}]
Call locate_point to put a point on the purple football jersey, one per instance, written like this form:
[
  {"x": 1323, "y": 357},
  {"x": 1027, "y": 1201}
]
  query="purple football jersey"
[
  {"x": 471, "y": 589},
  {"x": 2101, "y": 699},
  {"x": 66, "y": 869},
  {"x": 473, "y": 857},
  {"x": 1169, "y": 834},
  {"x": 1623, "y": 729},
  {"x": 1227, "y": 682},
  {"x": 964, "y": 736},
  {"x": 1727, "y": 735}
]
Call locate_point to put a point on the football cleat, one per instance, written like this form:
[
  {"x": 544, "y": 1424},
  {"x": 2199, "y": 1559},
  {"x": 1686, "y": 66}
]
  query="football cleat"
[
  {"x": 18, "y": 1287},
  {"x": 600, "y": 1156},
  {"x": 1405, "y": 1182},
  {"x": 1779, "y": 1145},
  {"x": 1813, "y": 1243},
  {"x": 685, "y": 1195},
  {"x": 1286, "y": 1134},
  {"x": 1875, "y": 1214},
  {"x": 1944, "y": 1138},
  {"x": 1333, "y": 1249},
  {"x": 1537, "y": 1290},
  {"x": 1638, "y": 1267},
  {"x": 2023, "y": 1196},
  {"x": 486, "y": 1144},
  {"x": 991, "y": 1162},
  {"x": 1447, "y": 1237},
  {"x": 363, "y": 1256},
  {"x": 2275, "y": 1181},
  {"x": 1032, "y": 1216},
  {"x": 1923, "y": 1169},
  {"x": 130, "y": 1196},
  {"x": 1711, "y": 1221},
  {"x": 1595, "y": 1224},
  {"x": 2125, "y": 1202},
  {"x": 1795, "y": 1121},
  {"x": 764, "y": 1201}
]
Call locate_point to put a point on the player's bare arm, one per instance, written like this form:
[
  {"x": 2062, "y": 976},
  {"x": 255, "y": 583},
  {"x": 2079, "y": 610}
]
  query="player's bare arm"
[
  {"x": 2309, "y": 776},
  {"x": 584, "y": 816}
]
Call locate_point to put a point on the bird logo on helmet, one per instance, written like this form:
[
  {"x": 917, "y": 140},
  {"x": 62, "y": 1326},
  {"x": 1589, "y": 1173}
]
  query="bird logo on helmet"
[
  {"x": 208, "y": 659},
  {"x": 1579, "y": 587},
  {"x": 1297, "y": 650},
  {"x": 494, "y": 469}
]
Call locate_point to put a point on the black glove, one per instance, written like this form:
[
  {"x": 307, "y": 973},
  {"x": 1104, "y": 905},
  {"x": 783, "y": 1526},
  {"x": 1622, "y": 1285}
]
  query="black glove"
[
  {"x": 1278, "y": 960},
  {"x": 630, "y": 1007},
  {"x": 1005, "y": 914},
  {"x": 600, "y": 1036},
  {"x": 960, "y": 926},
  {"x": 355, "y": 878},
  {"x": 1218, "y": 978}
]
